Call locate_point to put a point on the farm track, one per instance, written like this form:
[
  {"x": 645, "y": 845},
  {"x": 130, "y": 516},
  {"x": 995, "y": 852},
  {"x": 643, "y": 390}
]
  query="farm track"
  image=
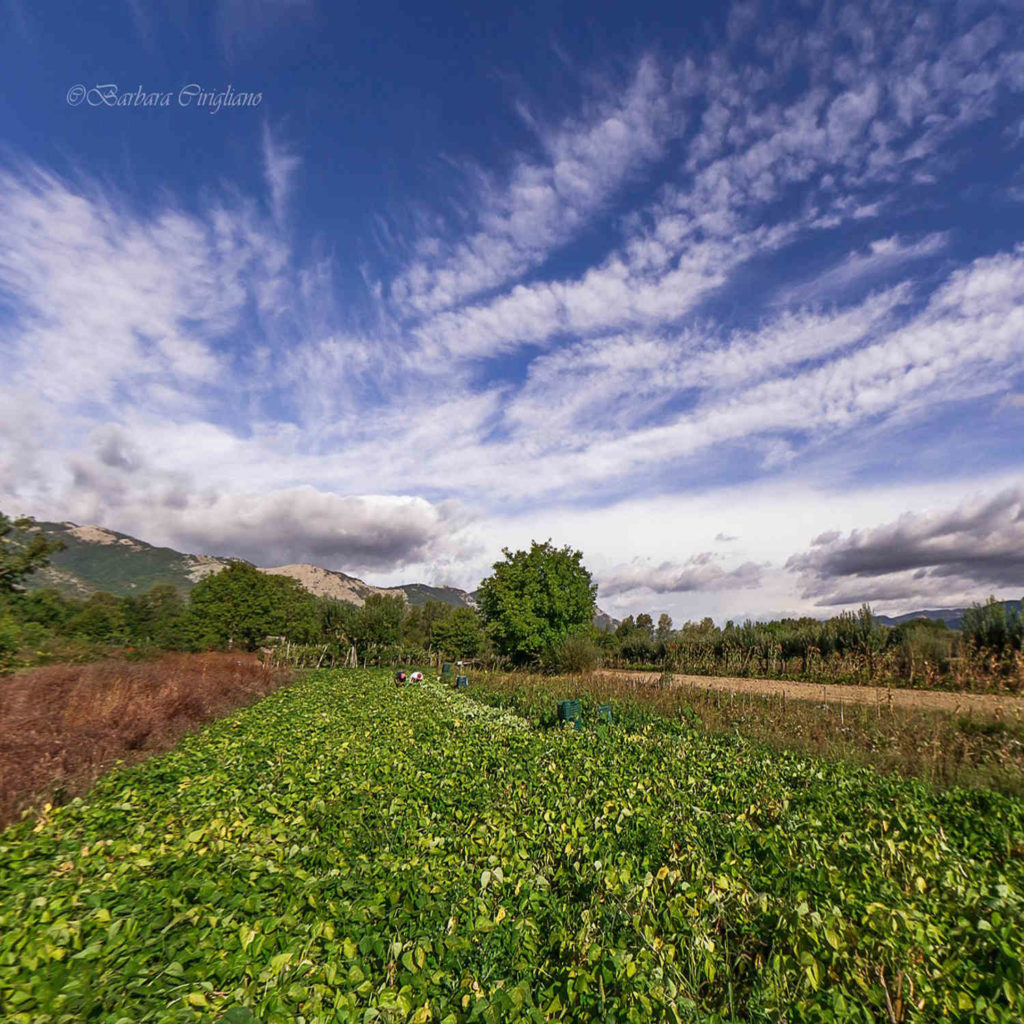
[{"x": 986, "y": 704}]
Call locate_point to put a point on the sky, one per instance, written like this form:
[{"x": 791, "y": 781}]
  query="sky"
[{"x": 728, "y": 297}]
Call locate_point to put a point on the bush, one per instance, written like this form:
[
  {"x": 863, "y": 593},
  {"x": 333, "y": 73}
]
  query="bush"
[
  {"x": 10, "y": 639},
  {"x": 575, "y": 655}
]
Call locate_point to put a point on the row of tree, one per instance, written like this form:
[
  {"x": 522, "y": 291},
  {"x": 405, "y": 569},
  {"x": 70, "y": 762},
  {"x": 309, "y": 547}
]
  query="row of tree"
[
  {"x": 239, "y": 608},
  {"x": 536, "y": 608},
  {"x": 850, "y": 646},
  {"x": 535, "y": 604}
]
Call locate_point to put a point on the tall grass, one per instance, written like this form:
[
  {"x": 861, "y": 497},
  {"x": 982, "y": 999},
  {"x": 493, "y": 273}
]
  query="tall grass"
[
  {"x": 959, "y": 665},
  {"x": 958, "y": 749}
]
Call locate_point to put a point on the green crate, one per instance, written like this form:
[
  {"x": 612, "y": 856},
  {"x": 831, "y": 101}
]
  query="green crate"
[
  {"x": 604, "y": 712},
  {"x": 461, "y": 682},
  {"x": 570, "y": 711},
  {"x": 446, "y": 669}
]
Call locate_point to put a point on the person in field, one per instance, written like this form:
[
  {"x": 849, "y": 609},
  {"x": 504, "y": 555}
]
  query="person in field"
[
  {"x": 417, "y": 677},
  {"x": 399, "y": 679}
]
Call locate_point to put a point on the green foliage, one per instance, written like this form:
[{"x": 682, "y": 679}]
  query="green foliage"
[
  {"x": 536, "y": 598},
  {"x": 241, "y": 606},
  {"x": 23, "y": 549},
  {"x": 101, "y": 619},
  {"x": 157, "y": 618},
  {"x": 124, "y": 567},
  {"x": 380, "y": 620},
  {"x": 636, "y": 640},
  {"x": 850, "y": 647},
  {"x": 459, "y": 634},
  {"x": 46, "y": 607},
  {"x": 10, "y": 637},
  {"x": 990, "y": 626},
  {"x": 421, "y": 621},
  {"x": 349, "y": 851},
  {"x": 575, "y": 654},
  {"x": 338, "y": 621},
  {"x": 922, "y": 646}
]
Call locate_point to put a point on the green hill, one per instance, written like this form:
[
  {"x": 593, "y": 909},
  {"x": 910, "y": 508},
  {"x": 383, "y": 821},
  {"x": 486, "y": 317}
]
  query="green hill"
[{"x": 95, "y": 558}]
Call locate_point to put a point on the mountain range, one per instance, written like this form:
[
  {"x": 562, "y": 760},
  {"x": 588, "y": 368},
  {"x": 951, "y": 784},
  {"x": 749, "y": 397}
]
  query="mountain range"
[
  {"x": 952, "y": 617},
  {"x": 95, "y": 558}
]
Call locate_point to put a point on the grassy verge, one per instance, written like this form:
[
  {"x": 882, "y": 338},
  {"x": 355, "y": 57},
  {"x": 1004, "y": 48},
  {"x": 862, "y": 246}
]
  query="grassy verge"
[
  {"x": 943, "y": 749},
  {"x": 60, "y": 726}
]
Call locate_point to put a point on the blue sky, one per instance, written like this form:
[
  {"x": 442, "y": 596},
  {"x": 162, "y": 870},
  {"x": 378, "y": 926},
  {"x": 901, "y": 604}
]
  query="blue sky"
[{"x": 728, "y": 297}]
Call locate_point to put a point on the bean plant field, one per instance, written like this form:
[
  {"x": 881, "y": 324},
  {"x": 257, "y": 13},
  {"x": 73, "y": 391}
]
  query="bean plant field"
[{"x": 346, "y": 850}]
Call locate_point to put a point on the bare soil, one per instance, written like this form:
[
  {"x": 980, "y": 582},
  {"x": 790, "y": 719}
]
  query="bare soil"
[{"x": 987, "y": 704}]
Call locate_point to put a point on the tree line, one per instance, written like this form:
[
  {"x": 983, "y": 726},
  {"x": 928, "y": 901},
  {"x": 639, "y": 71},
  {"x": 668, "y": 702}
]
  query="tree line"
[
  {"x": 850, "y": 647},
  {"x": 535, "y": 606},
  {"x": 536, "y": 609},
  {"x": 239, "y": 608}
]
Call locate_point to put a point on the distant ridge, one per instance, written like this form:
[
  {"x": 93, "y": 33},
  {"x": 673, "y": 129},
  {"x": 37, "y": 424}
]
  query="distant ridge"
[
  {"x": 952, "y": 617},
  {"x": 95, "y": 559}
]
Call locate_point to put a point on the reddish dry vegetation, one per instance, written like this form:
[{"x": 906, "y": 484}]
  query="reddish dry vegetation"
[{"x": 62, "y": 725}]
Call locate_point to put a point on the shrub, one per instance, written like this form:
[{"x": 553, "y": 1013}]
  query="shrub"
[{"x": 575, "y": 654}]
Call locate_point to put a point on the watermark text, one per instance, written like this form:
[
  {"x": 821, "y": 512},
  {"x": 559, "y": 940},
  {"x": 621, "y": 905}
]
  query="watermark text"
[{"x": 192, "y": 96}]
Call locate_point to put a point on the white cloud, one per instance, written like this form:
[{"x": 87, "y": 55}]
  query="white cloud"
[
  {"x": 280, "y": 166},
  {"x": 103, "y": 297},
  {"x": 698, "y": 573},
  {"x": 184, "y": 374},
  {"x": 771, "y": 518},
  {"x": 609, "y": 385},
  {"x": 632, "y": 288},
  {"x": 881, "y": 257},
  {"x": 361, "y": 533},
  {"x": 964, "y": 344},
  {"x": 871, "y": 121},
  {"x": 544, "y": 202}
]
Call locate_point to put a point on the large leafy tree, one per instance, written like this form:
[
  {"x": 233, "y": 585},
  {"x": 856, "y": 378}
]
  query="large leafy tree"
[
  {"x": 23, "y": 549},
  {"x": 380, "y": 620},
  {"x": 535, "y": 599},
  {"x": 101, "y": 620},
  {"x": 156, "y": 616},
  {"x": 459, "y": 635},
  {"x": 421, "y": 621},
  {"x": 240, "y": 606}
]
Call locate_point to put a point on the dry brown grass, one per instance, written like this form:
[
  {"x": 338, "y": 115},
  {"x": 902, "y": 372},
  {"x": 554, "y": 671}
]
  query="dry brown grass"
[
  {"x": 954, "y": 702},
  {"x": 62, "y": 725}
]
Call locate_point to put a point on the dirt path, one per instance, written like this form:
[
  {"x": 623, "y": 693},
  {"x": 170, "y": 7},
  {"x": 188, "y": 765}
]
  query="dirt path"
[{"x": 930, "y": 700}]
